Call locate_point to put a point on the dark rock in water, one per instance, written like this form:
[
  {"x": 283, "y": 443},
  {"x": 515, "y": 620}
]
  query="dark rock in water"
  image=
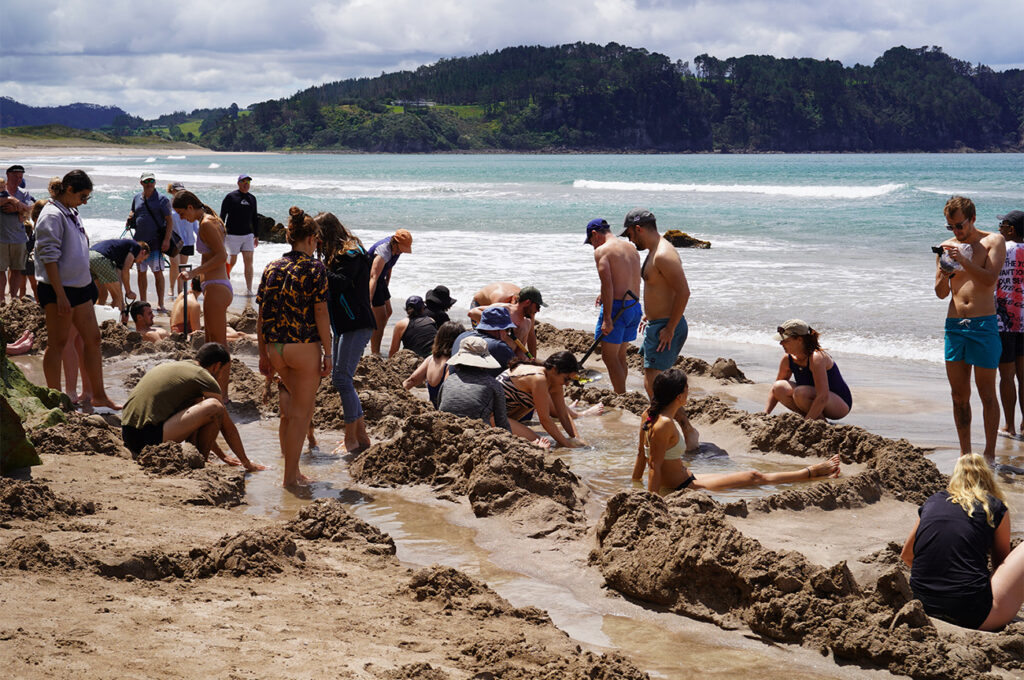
[
  {"x": 327, "y": 518},
  {"x": 683, "y": 240},
  {"x": 269, "y": 230}
]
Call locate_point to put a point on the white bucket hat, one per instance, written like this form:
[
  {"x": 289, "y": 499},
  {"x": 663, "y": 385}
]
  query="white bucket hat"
[{"x": 473, "y": 352}]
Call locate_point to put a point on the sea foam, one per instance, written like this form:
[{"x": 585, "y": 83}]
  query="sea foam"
[{"x": 837, "y": 192}]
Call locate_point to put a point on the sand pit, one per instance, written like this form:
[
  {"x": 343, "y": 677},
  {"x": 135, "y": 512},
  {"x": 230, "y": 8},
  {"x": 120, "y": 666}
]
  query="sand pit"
[
  {"x": 682, "y": 553},
  {"x": 500, "y": 473}
]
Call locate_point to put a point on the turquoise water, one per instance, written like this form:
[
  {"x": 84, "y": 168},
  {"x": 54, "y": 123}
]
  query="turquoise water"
[{"x": 841, "y": 241}]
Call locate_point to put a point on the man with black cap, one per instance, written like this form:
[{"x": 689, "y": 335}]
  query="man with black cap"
[
  {"x": 618, "y": 267},
  {"x": 438, "y": 301},
  {"x": 153, "y": 225},
  {"x": 522, "y": 304},
  {"x": 238, "y": 212},
  {"x": 666, "y": 293},
  {"x": 493, "y": 328},
  {"x": 15, "y": 204}
]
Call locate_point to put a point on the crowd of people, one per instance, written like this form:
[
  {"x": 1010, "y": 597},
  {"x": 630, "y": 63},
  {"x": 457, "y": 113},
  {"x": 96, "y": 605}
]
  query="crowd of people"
[{"x": 324, "y": 301}]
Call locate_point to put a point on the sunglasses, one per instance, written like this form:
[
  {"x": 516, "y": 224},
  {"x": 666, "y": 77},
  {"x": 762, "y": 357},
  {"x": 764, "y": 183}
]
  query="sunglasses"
[
  {"x": 958, "y": 225},
  {"x": 84, "y": 198},
  {"x": 149, "y": 181}
]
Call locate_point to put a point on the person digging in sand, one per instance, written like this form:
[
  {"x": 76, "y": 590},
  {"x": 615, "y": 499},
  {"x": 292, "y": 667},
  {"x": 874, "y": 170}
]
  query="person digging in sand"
[{"x": 661, "y": 447}]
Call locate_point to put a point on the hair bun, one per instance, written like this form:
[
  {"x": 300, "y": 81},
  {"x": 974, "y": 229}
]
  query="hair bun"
[{"x": 297, "y": 215}]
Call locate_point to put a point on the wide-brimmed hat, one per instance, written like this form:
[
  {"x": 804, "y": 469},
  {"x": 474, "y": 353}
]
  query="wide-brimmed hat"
[
  {"x": 404, "y": 238},
  {"x": 473, "y": 352},
  {"x": 441, "y": 297},
  {"x": 495, "y": 319},
  {"x": 793, "y": 328}
]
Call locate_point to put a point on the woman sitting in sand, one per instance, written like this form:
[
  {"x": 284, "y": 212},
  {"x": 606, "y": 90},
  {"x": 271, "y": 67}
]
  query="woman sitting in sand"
[
  {"x": 949, "y": 549},
  {"x": 817, "y": 389},
  {"x": 416, "y": 331},
  {"x": 434, "y": 368},
  {"x": 295, "y": 335},
  {"x": 661, "y": 448},
  {"x": 531, "y": 386},
  {"x": 212, "y": 271}
]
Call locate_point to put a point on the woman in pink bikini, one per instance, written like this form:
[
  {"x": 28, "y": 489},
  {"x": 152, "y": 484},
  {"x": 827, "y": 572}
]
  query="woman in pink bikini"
[{"x": 212, "y": 271}]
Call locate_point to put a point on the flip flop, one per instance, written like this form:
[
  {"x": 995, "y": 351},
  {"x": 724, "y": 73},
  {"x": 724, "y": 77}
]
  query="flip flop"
[{"x": 1017, "y": 437}]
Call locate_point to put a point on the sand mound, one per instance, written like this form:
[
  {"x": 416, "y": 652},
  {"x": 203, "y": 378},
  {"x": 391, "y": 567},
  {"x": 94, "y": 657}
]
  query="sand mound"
[
  {"x": 116, "y": 338},
  {"x": 455, "y": 590},
  {"x": 171, "y": 458},
  {"x": 519, "y": 659},
  {"x": 414, "y": 671},
  {"x": 682, "y": 554},
  {"x": 34, "y": 500},
  {"x": 32, "y": 553},
  {"x": 20, "y": 315},
  {"x": 246, "y": 346},
  {"x": 244, "y": 322},
  {"x": 327, "y": 518},
  {"x": 80, "y": 434},
  {"x": 219, "y": 486},
  {"x": 634, "y": 402},
  {"x": 378, "y": 382},
  {"x": 571, "y": 339},
  {"x": 849, "y": 492},
  {"x": 246, "y": 391},
  {"x": 256, "y": 552},
  {"x": 500, "y": 473}
]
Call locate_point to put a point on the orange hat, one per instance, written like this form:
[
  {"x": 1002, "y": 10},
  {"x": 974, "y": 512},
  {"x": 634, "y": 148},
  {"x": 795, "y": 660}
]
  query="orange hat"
[{"x": 404, "y": 239}]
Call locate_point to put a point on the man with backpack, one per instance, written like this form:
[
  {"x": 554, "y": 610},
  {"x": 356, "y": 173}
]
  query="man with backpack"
[{"x": 151, "y": 214}]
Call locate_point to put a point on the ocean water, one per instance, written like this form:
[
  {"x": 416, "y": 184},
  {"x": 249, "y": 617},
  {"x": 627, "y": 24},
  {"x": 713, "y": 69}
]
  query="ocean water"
[{"x": 841, "y": 241}]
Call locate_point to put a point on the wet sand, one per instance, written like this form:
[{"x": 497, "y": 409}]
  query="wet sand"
[{"x": 540, "y": 531}]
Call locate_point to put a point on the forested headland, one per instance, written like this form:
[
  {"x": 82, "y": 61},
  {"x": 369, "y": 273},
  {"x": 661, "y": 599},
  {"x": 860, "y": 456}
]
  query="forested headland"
[{"x": 585, "y": 97}]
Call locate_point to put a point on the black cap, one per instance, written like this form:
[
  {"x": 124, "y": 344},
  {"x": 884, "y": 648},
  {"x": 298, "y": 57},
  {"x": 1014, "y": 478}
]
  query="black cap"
[
  {"x": 635, "y": 217},
  {"x": 1014, "y": 217},
  {"x": 16, "y": 168}
]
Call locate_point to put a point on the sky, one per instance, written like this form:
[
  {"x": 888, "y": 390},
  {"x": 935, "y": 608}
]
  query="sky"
[{"x": 151, "y": 59}]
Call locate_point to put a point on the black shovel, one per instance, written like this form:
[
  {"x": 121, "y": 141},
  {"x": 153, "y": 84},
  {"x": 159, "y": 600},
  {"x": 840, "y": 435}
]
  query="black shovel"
[{"x": 590, "y": 375}]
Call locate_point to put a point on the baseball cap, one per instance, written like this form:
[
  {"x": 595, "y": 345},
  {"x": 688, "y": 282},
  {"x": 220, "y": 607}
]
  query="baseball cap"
[
  {"x": 404, "y": 238},
  {"x": 635, "y": 217},
  {"x": 531, "y": 294},
  {"x": 495, "y": 319},
  {"x": 16, "y": 168},
  {"x": 1014, "y": 217},
  {"x": 415, "y": 302},
  {"x": 595, "y": 225},
  {"x": 176, "y": 187},
  {"x": 792, "y": 329},
  {"x": 243, "y": 176},
  {"x": 146, "y": 176}
]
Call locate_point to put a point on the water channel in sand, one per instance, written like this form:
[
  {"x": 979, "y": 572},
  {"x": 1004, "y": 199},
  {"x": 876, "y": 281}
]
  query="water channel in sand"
[{"x": 554, "y": 576}]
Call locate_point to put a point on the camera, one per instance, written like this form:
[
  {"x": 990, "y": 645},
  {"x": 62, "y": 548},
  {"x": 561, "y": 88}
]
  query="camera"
[{"x": 938, "y": 250}]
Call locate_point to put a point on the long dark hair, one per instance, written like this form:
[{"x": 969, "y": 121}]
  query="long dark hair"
[
  {"x": 75, "y": 181},
  {"x": 811, "y": 342},
  {"x": 335, "y": 239},
  {"x": 445, "y": 338},
  {"x": 186, "y": 199},
  {"x": 667, "y": 386}
]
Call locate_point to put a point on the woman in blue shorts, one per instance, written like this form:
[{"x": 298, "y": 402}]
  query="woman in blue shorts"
[{"x": 817, "y": 389}]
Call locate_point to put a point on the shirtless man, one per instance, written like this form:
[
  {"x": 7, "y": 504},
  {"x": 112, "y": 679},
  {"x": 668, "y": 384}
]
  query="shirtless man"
[
  {"x": 522, "y": 304},
  {"x": 142, "y": 315},
  {"x": 969, "y": 269},
  {"x": 665, "y": 296},
  {"x": 195, "y": 310},
  {"x": 618, "y": 267}
]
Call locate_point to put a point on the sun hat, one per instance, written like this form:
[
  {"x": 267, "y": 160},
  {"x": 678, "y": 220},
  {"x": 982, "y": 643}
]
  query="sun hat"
[
  {"x": 793, "y": 328},
  {"x": 473, "y": 352},
  {"x": 404, "y": 238},
  {"x": 495, "y": 319},
  {"x": 596, "y": 225},
  {"x": 147, "y": 176},
  {"x": 244, "y": 175},
  {"x": 635, "y": 217},
  {"x": 441, "y": 297},
  {"x": 531, "y": 294}
]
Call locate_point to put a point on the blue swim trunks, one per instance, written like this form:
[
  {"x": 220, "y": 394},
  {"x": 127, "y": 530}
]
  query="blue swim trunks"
[
  {"x": 624, "y": 329},
  {"x": 663, "y": 360},
  {"x": 975, "y": 341}
]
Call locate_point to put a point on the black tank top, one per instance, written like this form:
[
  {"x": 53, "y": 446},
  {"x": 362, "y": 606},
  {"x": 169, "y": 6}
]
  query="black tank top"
[{"x": 419, "y": 335}]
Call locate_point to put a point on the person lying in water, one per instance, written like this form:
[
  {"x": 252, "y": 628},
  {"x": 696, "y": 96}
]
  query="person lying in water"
[{"x": 661, "y": 447}]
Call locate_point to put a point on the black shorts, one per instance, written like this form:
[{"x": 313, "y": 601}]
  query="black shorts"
[
  {"x": 1013, "y": 346},
  {"x": 136, "y": 439},
  {"x": 967, "y": 611},
  {"x": 76, "y": 296},
  {"x": 381, "y": 294},
  {"x": 187, "y": 251},
  {"x": 30, "y": 267}
]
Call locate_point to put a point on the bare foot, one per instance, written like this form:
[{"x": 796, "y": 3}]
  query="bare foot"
[
  {"x": 107, "y": 403},
  {"x": 300, "y": 480},
  {"x": 595, "y": 410},
  {"x": 1007, "y": 432},
  {"x": 542, "y": 443},
  {"x": 829, "y": 468},
  {"x": 340, "y": 448}
]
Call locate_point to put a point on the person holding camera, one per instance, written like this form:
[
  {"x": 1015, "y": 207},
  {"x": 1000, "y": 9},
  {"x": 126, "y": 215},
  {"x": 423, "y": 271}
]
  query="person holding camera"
[
  {"x": 15, "y": 204},
  {"x": 151, "y": 216},
  {"x": 967, "y": 272}
]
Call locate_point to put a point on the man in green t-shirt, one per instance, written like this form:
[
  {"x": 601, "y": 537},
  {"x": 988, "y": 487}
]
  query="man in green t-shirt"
[{"x": 181, "y": 400}]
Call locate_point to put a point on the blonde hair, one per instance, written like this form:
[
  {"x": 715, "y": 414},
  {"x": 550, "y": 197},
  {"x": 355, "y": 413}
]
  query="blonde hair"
[{"x": 972, "y": 482}]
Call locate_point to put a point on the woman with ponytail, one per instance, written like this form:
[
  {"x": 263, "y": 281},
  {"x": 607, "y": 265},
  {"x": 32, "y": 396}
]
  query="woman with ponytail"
[
  {"x": 294, "y": 334},
  {"x": 661, "y": 448},
  {"x": 212, "y": 270},
  {"x": 958, "y": 530},
  {"x": 817, "y": 389}
]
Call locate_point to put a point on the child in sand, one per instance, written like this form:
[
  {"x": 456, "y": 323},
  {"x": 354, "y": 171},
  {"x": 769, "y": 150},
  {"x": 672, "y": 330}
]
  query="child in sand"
[{"x": 661, "y": 448}]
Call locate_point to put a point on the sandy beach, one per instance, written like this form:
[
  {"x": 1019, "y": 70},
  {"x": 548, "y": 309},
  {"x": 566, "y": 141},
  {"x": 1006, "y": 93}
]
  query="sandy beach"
[{"x": 449, "y": 550}]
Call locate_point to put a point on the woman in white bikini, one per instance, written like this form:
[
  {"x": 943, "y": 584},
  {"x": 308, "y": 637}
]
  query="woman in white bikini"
[{"x": 661, "y": 448}]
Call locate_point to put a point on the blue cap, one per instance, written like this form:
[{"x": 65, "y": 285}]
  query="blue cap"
[
  {"x": 244, "y": 175},
  {"x": 596, "y": 225},
  {"x": 495, "y": 319},
  {"x": 415, "y": 302}
]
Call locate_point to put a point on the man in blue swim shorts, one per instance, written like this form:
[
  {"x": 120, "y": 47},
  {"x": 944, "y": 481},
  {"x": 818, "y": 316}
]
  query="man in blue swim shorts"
[
  {"x": 968, "y": 270},
  {"x": 618, "y": 267},
  {"x": 666, "y": 293}
]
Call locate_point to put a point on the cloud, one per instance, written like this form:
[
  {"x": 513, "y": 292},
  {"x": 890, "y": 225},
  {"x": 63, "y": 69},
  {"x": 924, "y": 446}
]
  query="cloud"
[{"x": 199, "y": 54}]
